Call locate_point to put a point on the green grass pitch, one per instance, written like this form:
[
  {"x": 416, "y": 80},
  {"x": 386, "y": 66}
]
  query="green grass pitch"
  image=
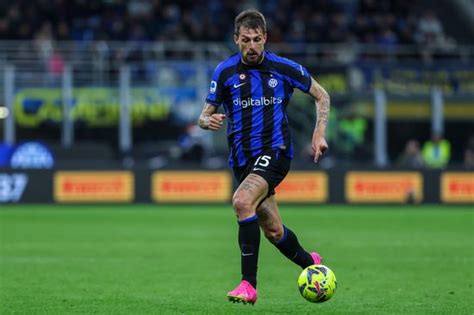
[{"x": 141, "y": 259}]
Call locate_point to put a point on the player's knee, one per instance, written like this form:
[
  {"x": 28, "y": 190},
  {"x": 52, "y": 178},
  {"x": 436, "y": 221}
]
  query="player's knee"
[
  {"x": 274, "y": 233},
  {"x": 242, "y": 205}
]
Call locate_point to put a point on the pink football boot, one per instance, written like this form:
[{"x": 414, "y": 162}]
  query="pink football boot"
[
  {"x": 244, "y": 293},
  {"x": 317, "y": 259}
]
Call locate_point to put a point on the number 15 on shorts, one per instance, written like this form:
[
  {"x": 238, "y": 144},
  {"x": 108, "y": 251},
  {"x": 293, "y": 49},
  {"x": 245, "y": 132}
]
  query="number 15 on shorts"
[{"x": 262, "y": 162}]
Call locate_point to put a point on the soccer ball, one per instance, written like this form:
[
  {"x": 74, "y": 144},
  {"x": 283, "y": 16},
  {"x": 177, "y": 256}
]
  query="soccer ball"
[{"x": 317, "y": 283}]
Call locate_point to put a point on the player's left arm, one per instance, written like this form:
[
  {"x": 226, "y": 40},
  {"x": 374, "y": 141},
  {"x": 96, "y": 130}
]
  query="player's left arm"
[{"x": 322, "y": 102}]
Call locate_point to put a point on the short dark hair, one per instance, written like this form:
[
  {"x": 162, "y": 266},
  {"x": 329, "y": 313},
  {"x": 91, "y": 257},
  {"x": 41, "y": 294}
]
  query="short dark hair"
[{"x": 252, "y": 19}]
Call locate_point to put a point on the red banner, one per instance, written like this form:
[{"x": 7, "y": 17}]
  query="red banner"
[
  {"x": 303, "y": 187},
  {"x": 391, "y": 187},
  {"x": 191, "y": 186},
  {"x": 94, "y": 186},
  {"x": 457, "y": 187}
]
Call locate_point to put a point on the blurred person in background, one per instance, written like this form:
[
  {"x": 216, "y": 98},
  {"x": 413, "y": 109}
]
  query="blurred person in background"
[
  {"x": 254, "y": 87},
  {"x": 469, "y": 154},
  {"x": 55, "y": 67},
  {"x": 431, "y": 36},
  {"x": 411, "y": 157},
  {"x": 430, "y": 29},
  {"x": 436, "y": 152},
  {"x": 351, "y": 131},
  {"x": 192, "y": 144}
]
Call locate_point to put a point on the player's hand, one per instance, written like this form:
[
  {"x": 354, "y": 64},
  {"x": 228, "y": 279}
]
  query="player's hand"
[
  {"x": 319, "y": 146},
  {"x": 216, "y": 121}
]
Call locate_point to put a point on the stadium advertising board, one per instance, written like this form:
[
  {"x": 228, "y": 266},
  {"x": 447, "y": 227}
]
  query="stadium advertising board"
[
  {"x": 191, "y": 186},
  {"x": 5, "y": 153},
  {"x": 333, "y": 78},
  {"x": 384, "y": 187},
  {"x": 94, "y": 107},
  {"x": 12, "y": 187},
  {"x": 457, "y": 187},
  {"x": 27, "y": 186},
  {"x": 26, "y": 155},
  {"x": 303, "y": 187},
  {"x": 94, "y": 186},
  {"x": 32, "y": 155},
  {"x": 416, "y": 79}
]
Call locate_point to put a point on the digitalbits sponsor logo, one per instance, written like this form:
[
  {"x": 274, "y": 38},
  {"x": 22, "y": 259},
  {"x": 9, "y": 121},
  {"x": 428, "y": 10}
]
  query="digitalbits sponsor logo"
[
  {"x": 213, "y": 87},
  {"x": 262, "y": 101},
  {"x": 272, "y": 82}
]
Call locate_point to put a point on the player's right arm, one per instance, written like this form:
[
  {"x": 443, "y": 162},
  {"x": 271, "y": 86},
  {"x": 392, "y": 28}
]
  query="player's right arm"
[{"x": 210, "y": 119}]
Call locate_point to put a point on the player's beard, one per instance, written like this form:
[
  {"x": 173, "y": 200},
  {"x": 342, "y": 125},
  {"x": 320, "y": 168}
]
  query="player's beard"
[{"x": 253, "y": 58}]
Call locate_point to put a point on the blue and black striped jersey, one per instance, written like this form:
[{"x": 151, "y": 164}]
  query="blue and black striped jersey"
[{"x": 255, "y": 100}]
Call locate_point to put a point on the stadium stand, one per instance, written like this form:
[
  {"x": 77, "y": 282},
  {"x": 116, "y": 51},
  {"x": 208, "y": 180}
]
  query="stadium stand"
[{"x": 347, "y": 44}]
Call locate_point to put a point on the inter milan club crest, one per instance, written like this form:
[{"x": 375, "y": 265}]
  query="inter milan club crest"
[
  {"x": 272, "y": 82},
  {"x": 242, "y": 76}
]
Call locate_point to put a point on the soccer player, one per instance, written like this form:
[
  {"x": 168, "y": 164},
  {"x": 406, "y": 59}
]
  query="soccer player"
[{"x": 254, "y": 87}]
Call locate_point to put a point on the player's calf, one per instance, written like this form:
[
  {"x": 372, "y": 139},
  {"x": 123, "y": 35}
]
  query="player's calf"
[
  {"x": 291, "y": 248},
  {"x": 273, "y": 233}
]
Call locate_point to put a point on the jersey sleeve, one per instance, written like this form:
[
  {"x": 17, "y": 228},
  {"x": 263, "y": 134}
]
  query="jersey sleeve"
[
  {"x": 299, "y": 77},
  {"x": 216, "y": 88}
]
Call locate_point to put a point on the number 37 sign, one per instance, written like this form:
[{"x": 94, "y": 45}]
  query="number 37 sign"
[{"x": 12, "y": 187}]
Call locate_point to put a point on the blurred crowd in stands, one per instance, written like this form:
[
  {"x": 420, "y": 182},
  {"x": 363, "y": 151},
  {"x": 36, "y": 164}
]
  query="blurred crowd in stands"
[
  {"x": 291, "y": 23},
  {"x": 383, "y": 22}
]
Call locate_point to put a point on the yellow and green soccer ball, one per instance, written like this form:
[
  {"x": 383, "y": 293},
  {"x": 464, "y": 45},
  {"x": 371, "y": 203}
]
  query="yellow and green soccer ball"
[{"x": 317, "y": 283}]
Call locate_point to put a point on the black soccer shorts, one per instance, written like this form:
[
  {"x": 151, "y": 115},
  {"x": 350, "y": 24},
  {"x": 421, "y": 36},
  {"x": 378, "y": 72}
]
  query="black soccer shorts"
[{"x": 272, "y": 165}]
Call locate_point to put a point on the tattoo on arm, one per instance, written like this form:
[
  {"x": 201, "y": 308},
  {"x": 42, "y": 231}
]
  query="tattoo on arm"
[
  {"x": 206, "y": 113},
  {"x": 322, "y": 104}
]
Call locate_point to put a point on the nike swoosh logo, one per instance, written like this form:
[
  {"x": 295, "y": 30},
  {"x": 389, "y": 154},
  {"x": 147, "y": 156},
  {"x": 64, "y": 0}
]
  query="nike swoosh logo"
[
  {"x": 250, "y": 254},
  {"x": 239, "y": 85},
  {"x": 258, "y": 169}
]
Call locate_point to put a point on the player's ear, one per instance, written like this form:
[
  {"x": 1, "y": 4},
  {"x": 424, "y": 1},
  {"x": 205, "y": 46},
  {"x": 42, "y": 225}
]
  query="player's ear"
[{"x": 236, "y": 39}]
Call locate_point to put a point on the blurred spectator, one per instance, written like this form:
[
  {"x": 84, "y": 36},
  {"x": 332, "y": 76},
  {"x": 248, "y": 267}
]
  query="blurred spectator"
[
  {"x": 406, "y": 28},
  {"x": 431, "y": 37},
  {"x": 387, "y": 39},
  {"x": 351, "y": 136},
  {"x": 193, "y": 145},
  {"x": 436, "y": 152},
  {"x": 469, "y": 154},
  {"x": 429, "y": 29},
  {"x": 411, "y": 156},
  {"x": 346, "y": 139},
  {"x": 55, "y": 66}
]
